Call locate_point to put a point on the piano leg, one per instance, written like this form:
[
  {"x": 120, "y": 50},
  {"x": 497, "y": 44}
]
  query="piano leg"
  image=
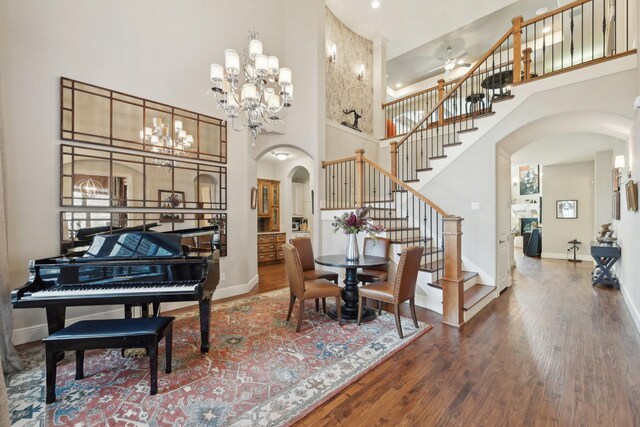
[
  {"x": 156, "y": 309},
  {"x": 145, "y": 310},
  {"x": 205, "y": 309},
  {"x": 55, "y": 322},
  {"x": 127, "y": 311},
  {"x": 55, "y": 318}
]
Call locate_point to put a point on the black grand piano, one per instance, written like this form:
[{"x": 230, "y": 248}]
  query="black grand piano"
[{"x": 130, "y": 268}]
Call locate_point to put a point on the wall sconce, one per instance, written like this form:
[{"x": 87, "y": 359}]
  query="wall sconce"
[
  {"x": 361, "y": 72},
  {"x": 618, "y": 165},
  {"x": 332, "y": 53}
]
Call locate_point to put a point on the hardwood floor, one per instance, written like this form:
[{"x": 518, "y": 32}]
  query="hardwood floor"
[{"x": 551, "y": 350}]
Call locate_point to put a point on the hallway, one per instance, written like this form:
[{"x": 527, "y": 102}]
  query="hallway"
[{"x": 551, "y": 350}]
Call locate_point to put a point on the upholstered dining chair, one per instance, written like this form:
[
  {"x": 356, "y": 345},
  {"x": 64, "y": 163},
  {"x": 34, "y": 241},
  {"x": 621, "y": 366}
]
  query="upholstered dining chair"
[
  {"x": 402, "y": 289},
  {"x": 379, "y": 246},
  {"x": 306, "y": 289},
  {"x": 305, "y": 250}
]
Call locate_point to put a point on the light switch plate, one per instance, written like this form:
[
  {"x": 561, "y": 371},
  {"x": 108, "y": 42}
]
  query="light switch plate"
[
  {"x": 222, "y": 277},
  {"x": 475, "y": 206}
]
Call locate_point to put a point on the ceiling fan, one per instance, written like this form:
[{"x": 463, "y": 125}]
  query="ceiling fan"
[{"x": 451, "y": 62}]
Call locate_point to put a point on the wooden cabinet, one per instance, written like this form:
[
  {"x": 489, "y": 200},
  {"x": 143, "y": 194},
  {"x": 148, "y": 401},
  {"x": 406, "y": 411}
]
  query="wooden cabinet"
[
  {"x": 268, "y": 205},
  {"x": 270, "y": 247}
]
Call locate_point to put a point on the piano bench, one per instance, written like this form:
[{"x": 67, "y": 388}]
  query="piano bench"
[{"x": 112, "y": 333}]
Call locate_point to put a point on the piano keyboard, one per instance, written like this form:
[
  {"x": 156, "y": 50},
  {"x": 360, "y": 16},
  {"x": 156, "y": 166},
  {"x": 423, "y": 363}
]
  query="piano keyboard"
[{"x": 127, "y": 288}]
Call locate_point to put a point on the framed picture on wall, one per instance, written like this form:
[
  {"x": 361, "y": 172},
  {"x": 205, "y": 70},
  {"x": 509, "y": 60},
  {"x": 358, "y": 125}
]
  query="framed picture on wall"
[
  {"x": 632, "y": 195},
  {"x": 566, "y": 209},
  {"x": 529, "y": 180}
]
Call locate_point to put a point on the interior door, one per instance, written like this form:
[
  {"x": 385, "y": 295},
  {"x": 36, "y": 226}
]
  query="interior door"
[{"x": 503, "y": 178}]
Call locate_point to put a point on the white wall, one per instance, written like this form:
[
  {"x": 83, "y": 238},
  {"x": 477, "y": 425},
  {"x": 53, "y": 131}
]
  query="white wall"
[
  {"x": 343, "y": 142},
  {"x": 628, "y": 228},
  {"x": 154, "y": 49},
  {"x": 602, "y": 188},
  {"x": 573, "y": 181}
]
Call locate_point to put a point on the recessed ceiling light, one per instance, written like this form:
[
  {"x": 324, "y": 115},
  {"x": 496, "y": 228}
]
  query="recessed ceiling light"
[
  {"x": 281, "y": 156},
  {"x": 546, "y": 29},
  {"x": 398, "y": 85},
  {"x": 375, "y": 4},
  {"x": 542, "y": 10}
]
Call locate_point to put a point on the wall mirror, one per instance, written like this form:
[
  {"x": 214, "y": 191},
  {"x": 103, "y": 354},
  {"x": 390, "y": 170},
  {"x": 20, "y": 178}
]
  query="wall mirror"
[
  {"x": 78, "y": 228},
  {"x": 103, "y": 116},
  {"x": 99, "y": 178}
]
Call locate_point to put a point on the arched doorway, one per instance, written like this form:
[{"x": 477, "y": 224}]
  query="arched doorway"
[{"x": 570, "y": 157}]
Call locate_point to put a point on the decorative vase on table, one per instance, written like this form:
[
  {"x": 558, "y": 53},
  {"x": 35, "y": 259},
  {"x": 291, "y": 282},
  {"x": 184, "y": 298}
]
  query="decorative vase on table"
[
  {"x": 351, "y": 223},
  {"x": 352, "y": 253}
]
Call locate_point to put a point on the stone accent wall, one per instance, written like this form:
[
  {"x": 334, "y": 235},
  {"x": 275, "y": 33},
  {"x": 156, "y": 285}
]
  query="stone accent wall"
[{"x": 344, "y": 90}]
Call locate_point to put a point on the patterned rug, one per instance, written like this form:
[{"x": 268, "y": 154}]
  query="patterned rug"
[{"x": 259, "y": 371}]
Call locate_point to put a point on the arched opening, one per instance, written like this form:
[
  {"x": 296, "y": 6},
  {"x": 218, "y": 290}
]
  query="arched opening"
[
  {"x": 554, "y": 185},
  {"x": 285, "y": 197}
]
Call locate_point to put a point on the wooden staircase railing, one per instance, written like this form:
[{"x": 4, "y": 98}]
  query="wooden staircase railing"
[
  {"x": 409, "y": 217},
  {"x": 578, "y": 34}
]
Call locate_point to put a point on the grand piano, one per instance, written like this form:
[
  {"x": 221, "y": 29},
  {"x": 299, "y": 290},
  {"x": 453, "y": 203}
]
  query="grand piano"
[{"x": 130, "y": 268}]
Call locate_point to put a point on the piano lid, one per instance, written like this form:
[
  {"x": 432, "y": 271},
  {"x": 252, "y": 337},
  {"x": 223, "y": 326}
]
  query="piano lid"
[{"x": 136, "y": 244}]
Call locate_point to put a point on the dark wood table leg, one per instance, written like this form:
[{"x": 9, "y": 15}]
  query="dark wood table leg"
[{"x": 350, "y": 298}]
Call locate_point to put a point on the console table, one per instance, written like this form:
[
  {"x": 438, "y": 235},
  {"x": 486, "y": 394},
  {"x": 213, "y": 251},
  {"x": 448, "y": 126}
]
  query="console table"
[{"x": 605, "y": 255}]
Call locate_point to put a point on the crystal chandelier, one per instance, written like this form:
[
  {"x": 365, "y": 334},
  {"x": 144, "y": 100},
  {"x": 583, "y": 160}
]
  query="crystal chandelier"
[
  {"x": 265, "y": 95},
  {"x": 159, "y": 141},
  {"x": 89, "y": 188}
]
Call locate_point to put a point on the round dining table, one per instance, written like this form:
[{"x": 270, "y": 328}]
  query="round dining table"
[{"x": 350, "y": 290}]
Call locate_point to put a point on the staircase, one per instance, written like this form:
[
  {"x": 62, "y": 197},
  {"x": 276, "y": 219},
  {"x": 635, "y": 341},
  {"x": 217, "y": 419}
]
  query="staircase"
[{"x": 455, "y": 112}]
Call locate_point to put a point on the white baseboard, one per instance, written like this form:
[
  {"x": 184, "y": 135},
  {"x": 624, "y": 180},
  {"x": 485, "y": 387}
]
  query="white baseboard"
[
  {"x": 635, "y": 314},
  {"x": 37, "y": 332},
  {"x": 554, "y": 255}
]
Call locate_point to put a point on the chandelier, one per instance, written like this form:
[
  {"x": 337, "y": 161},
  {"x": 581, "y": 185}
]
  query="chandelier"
[
  {"x": 263, "y": 99},
  {"x": 89, "y": 188},
  {"x": 158, "y": 139}
]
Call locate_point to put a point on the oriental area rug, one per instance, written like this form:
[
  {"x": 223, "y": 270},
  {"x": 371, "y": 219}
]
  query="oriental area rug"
[{"x": 259, "y": 371}]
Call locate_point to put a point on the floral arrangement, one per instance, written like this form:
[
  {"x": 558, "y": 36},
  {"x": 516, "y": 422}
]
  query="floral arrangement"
[{"x": 355, "y": 222}]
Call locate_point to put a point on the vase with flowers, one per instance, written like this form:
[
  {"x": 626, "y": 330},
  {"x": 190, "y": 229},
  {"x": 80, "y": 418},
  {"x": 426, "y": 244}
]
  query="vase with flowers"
[{"x": 352, "y": 223}]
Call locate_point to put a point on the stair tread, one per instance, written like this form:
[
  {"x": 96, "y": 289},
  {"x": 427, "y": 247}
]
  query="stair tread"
[
  {"x": 475, "y": 294},
  {"x": 424, "y": 169},
  {"x": 444, "y": 156},
  {"x": 453, "y": 144},
  {"x": 432, "y": 266},
  {"x": 402, "y": 229},
  {"x": 502, "y": 98},
  {"x": 468, "y": 275},
  {"x": 411, "y": 240},
  {"x": 429, "y": 251},
  {"x": 388, "y": 218},
  {"x": 467, "y": 130}
]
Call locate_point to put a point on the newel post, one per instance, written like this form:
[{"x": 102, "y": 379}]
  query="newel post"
[
  {"x": 453, "y": 280},
  {"x": 440, "y": 98},
  {"x": 526, "y": 60},
  {"x": 517, "y": 47},
  {"x": 359, "y": 178}
]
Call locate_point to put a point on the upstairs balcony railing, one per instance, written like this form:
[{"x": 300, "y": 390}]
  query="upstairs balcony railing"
[{"x": 578, "y": 34}]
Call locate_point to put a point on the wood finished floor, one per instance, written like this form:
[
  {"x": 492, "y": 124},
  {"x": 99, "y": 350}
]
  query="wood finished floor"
[{"x": 551, "y": 351}]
